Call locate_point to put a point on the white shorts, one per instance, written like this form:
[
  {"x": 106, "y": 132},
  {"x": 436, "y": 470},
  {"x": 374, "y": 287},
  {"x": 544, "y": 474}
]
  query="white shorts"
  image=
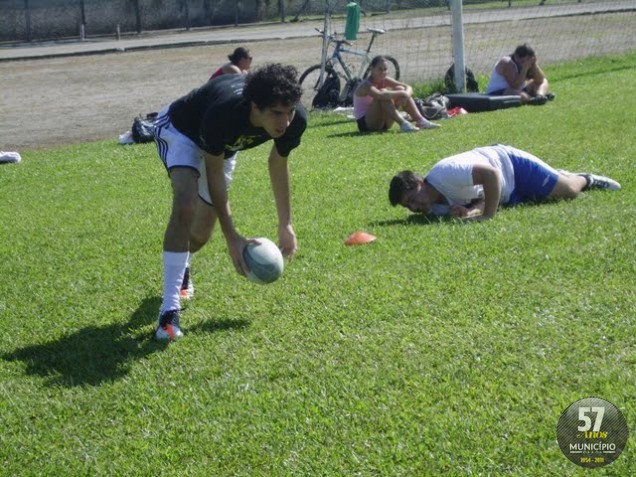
[{"x": 178, "y": 150}]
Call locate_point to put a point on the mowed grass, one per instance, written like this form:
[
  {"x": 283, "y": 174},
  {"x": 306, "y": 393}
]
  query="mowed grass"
[{"x": 441, "y": 349}]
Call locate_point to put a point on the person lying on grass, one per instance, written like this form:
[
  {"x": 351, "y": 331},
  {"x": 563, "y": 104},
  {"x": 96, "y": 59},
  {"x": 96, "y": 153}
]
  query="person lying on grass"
[
  {"x": 472, "y": 185},
  {"x": 378, "y": 99}
]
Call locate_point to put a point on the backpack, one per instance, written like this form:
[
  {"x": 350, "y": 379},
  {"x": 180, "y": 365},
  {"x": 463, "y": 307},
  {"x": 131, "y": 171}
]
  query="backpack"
[
  {"x": 471, "y": 83},
  {"x": 328, "y": 94},
  {"x": 349, "y": 90},
  {"x": 143, "y": 128},
  {"x": 434, "y": 106}
]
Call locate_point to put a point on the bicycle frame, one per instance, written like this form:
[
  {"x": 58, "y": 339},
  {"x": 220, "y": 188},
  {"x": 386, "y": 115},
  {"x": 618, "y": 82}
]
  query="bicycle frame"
[
  {"x": 333, "y": 63},
  {"x": 363, "y": 63},
  {"x": 336, "y": 56}
]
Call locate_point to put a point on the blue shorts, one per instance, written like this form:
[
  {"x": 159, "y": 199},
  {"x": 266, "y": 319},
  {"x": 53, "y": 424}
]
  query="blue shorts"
[{"x": 534, "y": 179}]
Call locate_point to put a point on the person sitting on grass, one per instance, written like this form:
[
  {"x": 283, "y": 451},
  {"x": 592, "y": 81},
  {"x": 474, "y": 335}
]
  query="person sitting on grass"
[
  {"x": 240, "y": 63},
  {"x": 378, "y": 99},
  {"x": 520, "y": 74},
  {"x": 472, "y": 185}
]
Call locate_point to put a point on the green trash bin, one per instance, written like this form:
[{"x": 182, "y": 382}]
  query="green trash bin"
[{"x": 353, "y": 21}]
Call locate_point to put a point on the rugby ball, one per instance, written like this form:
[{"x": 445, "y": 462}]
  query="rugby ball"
[{"x": 264, "y": 260}]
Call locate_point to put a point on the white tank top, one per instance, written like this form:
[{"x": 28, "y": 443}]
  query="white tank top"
[{"x": 497, "y": 82}]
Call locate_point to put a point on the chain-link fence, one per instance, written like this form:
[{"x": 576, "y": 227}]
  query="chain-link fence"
[{"x": 41, "y": 20}]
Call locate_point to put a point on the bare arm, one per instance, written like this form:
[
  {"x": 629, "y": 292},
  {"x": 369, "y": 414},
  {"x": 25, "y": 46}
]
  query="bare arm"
[
  {"x": 218, "y": 193},
  {"x": 394, "y": 90},
  {"x": 279, "y": 176},
  {"x": 490, "y": 179},
  {"x": 514, "y": 78},
  {"x": 475, "y": 209},
  {"x": 232, "y": 69},
  {"x": 399, "y": 86},
  {"x": 537, "y": 73}
]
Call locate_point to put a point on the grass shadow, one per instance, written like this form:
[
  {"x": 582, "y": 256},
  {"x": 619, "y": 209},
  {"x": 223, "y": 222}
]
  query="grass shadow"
[
  {"x": 98, "y": 354},
  {"x": 94, "y": 354},
  {"x": 417, "y": 219},
  {"x": 330, "y": 123}
]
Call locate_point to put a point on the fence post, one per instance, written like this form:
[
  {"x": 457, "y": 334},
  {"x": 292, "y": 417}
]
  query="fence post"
[
  {"x": 325, "y": 44},
  {"x": 138, "y": 16},
  {"x": 83, "y": 21},
  {"x": 281, "y": 8},
  {"x": 458, "y": 46},
  {"x": 27, "y": 18},
  {"x": 187, "y": 15}
]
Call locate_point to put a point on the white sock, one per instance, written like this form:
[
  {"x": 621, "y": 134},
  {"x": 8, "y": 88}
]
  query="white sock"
[{"x": 174, "y": 264}]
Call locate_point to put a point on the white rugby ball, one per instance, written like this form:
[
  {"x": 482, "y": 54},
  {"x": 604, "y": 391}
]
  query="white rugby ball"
[{"x": 264, "y": 260}]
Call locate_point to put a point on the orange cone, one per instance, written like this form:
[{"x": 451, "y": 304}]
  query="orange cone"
[{"x": 359, "y": 238}]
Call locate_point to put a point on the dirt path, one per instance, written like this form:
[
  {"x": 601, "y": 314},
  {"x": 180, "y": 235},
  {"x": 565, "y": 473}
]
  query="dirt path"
[
  {"x": 47, "y": 102},
  {"x": 68, "y": 100}
]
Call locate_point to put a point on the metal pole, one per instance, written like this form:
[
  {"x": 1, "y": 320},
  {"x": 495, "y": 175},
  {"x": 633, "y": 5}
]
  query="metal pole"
[
  {"x": 27, "y": 18},
  {"x": 458, "y": 45},
  {"x": 325, "y": 44},
  {"x": 138, "y": 15},
  {"x": 187, "y": 15},
  {"x": 281, "y": 7},
  {"x": 83, "y": 22}
]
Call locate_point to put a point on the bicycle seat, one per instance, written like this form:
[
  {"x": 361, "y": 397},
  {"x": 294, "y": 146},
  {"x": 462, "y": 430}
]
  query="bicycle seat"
[{"x": 377, "y": 31}]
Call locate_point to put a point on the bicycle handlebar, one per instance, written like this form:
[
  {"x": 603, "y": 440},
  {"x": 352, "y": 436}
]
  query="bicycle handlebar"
[{"x": 332, "y": 37}]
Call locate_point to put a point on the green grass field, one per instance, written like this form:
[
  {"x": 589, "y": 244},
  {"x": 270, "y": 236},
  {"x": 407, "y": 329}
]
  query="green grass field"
[{"x": 441, "y": 349}]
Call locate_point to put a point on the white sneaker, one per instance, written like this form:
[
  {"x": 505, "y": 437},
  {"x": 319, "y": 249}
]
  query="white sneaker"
[
  {"x": 600, "y": 182},
  {"x": 426, "y": 124},
  {"x": 408, "y": 127}
]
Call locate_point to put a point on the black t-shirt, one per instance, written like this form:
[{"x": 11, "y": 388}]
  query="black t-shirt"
[{"x": 216, "y": 118}]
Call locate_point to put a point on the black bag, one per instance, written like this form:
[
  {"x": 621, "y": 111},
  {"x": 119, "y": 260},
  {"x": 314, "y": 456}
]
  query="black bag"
[
  {"x": 434, "y": 106},
  {"x": 328, "y": 94},
  {"x": 349, "y": 90},
  {"x": 143, "y": 128},
  {"x": 471, "y": 82}
]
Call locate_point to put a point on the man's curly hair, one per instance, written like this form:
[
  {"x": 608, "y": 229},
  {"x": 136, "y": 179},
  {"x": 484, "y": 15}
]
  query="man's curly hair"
[
  {"x": 273, "y": 84},
  {"x": 402, "y": 183}
]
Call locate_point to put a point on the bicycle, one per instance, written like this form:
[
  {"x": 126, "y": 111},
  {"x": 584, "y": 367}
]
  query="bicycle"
[{"x": 335, "y": 66}]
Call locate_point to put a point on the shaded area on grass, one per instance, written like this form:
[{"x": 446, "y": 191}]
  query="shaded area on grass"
[{"x": 98, "y": 354}]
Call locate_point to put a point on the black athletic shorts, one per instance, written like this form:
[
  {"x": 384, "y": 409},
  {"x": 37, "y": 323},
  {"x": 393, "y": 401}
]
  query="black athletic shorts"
[{"x": 362, "y": 125}]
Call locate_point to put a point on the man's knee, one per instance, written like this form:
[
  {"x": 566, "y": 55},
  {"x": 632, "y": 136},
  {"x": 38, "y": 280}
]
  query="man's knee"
[
  {"x": 184, "y": 194},
  {"x": 203, "y": 226}
]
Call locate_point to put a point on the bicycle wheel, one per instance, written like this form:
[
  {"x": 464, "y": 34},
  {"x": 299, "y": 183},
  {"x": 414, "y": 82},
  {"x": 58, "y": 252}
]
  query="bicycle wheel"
[
  {"x": 393, "y": 65},
  {"x": 309, "y": 82}
]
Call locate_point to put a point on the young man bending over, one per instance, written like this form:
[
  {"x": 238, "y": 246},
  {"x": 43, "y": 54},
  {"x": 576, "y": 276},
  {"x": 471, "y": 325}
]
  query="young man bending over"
[{"x": 198, "y": 137}]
